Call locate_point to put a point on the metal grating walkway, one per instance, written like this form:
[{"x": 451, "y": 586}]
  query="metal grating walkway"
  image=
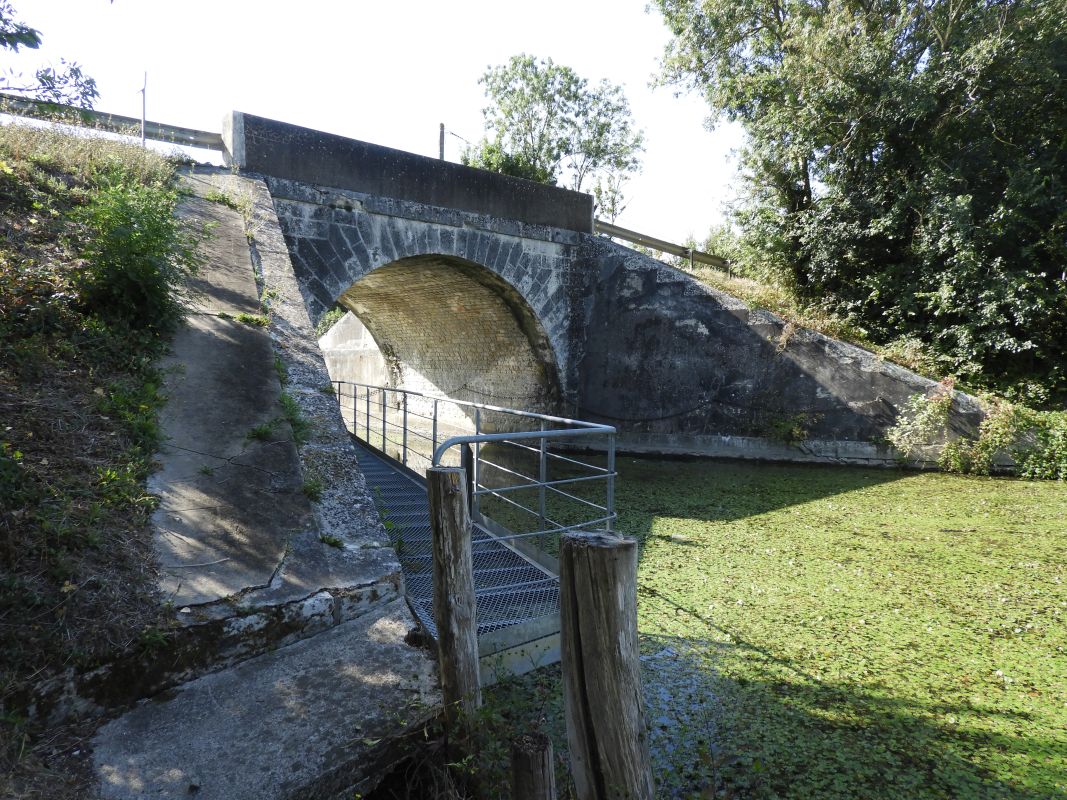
[{"x": 509, "y": 588}]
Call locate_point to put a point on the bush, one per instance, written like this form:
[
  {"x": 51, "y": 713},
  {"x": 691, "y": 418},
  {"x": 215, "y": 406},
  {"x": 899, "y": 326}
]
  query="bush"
[
  {"x": 1035, "y": 440},
  {"x": 138, "y": 255}
]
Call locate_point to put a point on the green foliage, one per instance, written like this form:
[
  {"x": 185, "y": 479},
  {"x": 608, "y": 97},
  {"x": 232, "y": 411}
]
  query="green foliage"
[
  {"x": 329, "y": 319},
  {"x": 263, "y": 432},
  {"x": 332, "y": 541},
  {"x": 80, "y": 397},
  {"x": 299, "y": 424},
  {"x": 281, "y": 370},
  {"x": 905, "y": 162},
  {"x": 68, "y": 84},
  {"x": 790, "y": 429},
  {"x": 548, "y": 124},
  {"x": 223, "y": 198},
  {"x": 138, "y": 256},
  {"x": 492, "y": 156},
  {"x": 1035, "y": 440},
  {"x": 921, "y": 422},
  {"x": 253, "y": 320},
  {"x": 312, "y": 489},
  {"x": 1047, "y": 459}
]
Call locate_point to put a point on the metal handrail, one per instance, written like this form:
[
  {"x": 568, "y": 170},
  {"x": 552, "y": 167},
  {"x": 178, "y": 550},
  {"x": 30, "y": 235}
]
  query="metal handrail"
[
  {"x": 112, "y": 123},
  {"x": 371, "y": 416},
  {"x": 694, "y": 255}
]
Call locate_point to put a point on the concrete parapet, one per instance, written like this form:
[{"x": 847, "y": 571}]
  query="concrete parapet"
[{"x": 289, "y": 151}]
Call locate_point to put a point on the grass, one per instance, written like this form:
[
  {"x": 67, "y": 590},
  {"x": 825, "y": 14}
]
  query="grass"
[
  {"x": 312, "y": 489},
  {"x": 300, "y": 425},
  {"x": 842, "y": 633},
  {"x": 252, "y": 320},
  {"x": 908, "y": 352},
  {"x": 90, "y": 265}
]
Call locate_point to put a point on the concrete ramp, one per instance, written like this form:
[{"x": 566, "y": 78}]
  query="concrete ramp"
[
  {"x": 318, "y": 719},
  {"x": 287, "y": 672}
]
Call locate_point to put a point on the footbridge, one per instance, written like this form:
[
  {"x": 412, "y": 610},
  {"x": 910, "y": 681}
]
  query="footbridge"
[{"x": 531, "y": 479}]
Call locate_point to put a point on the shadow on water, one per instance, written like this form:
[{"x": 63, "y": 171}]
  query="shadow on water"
[
  {"x": 830, "y": 740},
  {"x": 814, "y": 738},
  {"x": 735, "y": 713}
]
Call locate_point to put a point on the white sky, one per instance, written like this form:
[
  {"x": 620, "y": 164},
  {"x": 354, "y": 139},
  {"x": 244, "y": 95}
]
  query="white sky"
[{"x": 389, "y": 73}]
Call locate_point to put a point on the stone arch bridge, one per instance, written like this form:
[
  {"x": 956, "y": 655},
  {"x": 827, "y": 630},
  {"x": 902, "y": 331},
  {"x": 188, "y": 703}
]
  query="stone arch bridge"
[{"x": 484, "y": 287}]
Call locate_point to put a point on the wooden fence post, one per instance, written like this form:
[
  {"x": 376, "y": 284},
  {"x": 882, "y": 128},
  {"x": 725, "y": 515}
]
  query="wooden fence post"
[
  {"x": 453, "y": 593},
  {"x": 533, "y": 776},
  {"x": 601, "y": 667}
]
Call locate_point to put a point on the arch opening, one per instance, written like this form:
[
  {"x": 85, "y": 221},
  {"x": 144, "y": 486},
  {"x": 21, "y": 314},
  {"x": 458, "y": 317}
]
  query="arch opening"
[{"x": 444, "y": 326}]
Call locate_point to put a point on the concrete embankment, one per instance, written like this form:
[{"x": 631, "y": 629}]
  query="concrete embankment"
[{"x": 288, "y": 674}]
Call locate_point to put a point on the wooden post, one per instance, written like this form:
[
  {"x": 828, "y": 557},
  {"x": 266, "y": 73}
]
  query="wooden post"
[
  {"x": 601, "y": 667},
  {"x": 532, "y": 774},
  {"x": 453, "y": 592}
]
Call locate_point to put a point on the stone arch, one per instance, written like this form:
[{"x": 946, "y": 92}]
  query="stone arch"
[
  {"x": 447, "y": 326},
  {"x": 529, "y": 268}
]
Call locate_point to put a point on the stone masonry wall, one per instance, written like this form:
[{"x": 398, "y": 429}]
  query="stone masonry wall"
[{"x": 679, "y": 367}]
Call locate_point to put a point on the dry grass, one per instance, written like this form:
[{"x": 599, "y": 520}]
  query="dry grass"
[
  {"x": 78, "y": 402},
  {"x": 907, "y": 352}
]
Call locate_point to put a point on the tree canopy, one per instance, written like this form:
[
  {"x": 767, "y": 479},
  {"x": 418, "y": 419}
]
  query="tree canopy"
[
  {"x": 67, "y": 84},
  {"x": 546, "y": 123},
  {"x": 907, "y": 164}
]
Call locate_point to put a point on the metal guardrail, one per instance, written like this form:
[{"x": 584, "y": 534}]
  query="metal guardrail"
[
  {"x": 522, "y": 486},
  {"x": 208, "y": 140},
  {"x": 694, "y": 256},
  {"x": 112, "y": 123}
]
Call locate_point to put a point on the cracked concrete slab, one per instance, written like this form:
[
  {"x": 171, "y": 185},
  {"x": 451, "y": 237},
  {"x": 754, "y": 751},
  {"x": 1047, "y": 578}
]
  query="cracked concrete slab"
[
  {"x": 303, "y": 721},
  {"x": 229, "y": 503}
]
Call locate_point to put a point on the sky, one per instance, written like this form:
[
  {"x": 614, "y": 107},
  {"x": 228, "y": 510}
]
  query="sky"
[{"x": 389, "y": 72}]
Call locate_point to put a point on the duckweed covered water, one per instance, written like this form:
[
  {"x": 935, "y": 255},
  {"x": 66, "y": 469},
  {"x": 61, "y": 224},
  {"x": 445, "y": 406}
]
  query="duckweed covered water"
[{"x": 843, "y": 633}]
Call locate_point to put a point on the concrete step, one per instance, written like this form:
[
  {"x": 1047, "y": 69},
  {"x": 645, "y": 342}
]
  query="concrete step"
[{"x": 318, "y": 719}]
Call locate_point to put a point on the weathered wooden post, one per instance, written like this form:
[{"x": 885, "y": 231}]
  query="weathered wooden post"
[
  {"x": 453, "y": 592},
  {"x": 601, "y": 667},
  {"x": 532, "y": 774}
]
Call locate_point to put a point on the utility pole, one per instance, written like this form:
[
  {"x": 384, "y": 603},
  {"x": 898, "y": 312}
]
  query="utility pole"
[
  {"x": 144, "y": 90},
  {"x": 441, "y": 143}
]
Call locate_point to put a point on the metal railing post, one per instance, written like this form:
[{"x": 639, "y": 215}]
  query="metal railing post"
[
  {"x": 542, "y": 476},
  {"x": 610, "y": 513},
  {"x": 367, "y": 426},
  {"x": 404, "y": 436},
  {"x": 433, "y": 449},
  {"x": 477, "y": 457},
  {"x": 385, "y": 449}
]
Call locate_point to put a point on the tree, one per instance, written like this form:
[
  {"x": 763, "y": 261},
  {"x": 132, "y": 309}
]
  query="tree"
[
  {"x": 907, "y": 162},
  {"x": 67, "y": 85},
  {"x": 550, "y": 125}
]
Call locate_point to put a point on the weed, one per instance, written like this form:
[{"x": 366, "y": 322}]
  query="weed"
[
  {"x": 152, "y": 639},
  {"x": 254, "y": 320},
  {"x": 282, "y": 370},
  {"x": 789, "y": 429},
  {"x": 206, "y": 469},
  {"x": 215, "y": 195},
  {"x": 263, "y": 432},
  {"x": 328, "y": 388},
  {"x": 312, "y": 489},
  {"x": 292, "y": 414},
  {"x": 332, "y": 541},
  {"x": 329, "y": 319}
]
